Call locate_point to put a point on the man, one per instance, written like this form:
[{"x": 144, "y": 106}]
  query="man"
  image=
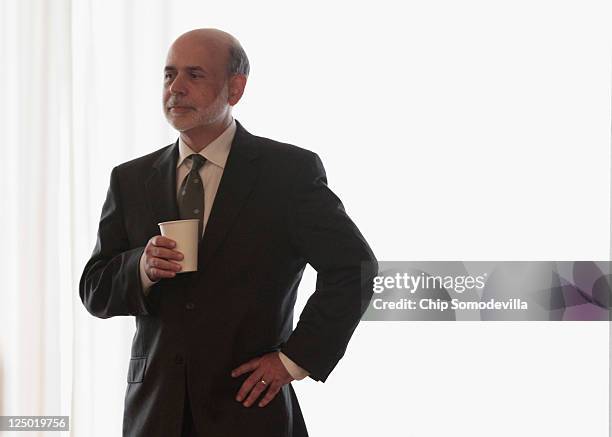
[{"x": 215, "y": 351}]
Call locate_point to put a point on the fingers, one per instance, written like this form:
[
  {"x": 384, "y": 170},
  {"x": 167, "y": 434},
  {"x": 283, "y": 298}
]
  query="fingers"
[
  {"x": 250, "y": 385},
  {"x": 161, "y": 241},
  {"x": 158, "y": 258},
  {"x": 271, "y": 370},
  {"x": 251, "y": 381},
  {"x": 161, "y": 247},
  {"x": 160, "y": 252},
  {"x": 273, "y": 390},
  {"x": 162, "y": 265},
  {"x": 258, "y": 389},
  {"x": 157, "y": 268},
  {"x": 249, "y": 366},
  {"x": 157, "y": 274},
  {"x": 255, "y": 387}
]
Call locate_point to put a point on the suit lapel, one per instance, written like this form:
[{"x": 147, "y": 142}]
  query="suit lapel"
[
  {"x": 160, "y": 187},
  {"x": 238, "y": 179}
]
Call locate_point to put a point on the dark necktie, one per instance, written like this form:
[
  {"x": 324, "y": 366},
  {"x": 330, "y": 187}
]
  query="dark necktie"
[{"x": 191, "y": 194}]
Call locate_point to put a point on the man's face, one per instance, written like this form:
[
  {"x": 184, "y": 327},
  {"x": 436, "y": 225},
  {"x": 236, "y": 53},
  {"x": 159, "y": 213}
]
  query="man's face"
[{"x": 196, "y": 84}]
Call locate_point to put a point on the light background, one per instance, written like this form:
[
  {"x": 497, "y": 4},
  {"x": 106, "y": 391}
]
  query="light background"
[{"x": 473, "y": 130}]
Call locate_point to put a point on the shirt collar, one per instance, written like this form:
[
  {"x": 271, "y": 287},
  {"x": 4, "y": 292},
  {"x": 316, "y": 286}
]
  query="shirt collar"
[{"x": 216, "y": 152}]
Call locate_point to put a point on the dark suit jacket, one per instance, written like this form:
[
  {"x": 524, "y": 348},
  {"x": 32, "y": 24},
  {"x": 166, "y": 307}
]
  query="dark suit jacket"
[{"x": 273, "y": 213}]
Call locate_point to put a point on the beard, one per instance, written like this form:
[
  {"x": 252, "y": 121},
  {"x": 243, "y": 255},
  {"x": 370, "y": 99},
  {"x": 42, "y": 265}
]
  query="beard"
[{"x": 194, "y": 118}]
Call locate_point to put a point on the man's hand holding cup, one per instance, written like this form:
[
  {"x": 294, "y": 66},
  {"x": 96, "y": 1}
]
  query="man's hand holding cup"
[{"x": 158, "y": 258}]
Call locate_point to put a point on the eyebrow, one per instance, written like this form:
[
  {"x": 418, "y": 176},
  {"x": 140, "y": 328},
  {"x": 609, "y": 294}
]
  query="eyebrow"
[{"x": 189, "y": 67}]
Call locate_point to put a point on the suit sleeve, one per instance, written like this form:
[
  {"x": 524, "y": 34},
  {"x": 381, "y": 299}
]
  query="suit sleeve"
[
  {"x": 110, "y": 284},
  {"x": 329, "y": 241}
]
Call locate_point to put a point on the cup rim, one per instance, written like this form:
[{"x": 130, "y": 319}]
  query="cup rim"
[{"x": 178, "y": 221}]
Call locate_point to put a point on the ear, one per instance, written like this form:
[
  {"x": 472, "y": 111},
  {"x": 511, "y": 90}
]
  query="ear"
[{"x": 236, "y": 88}]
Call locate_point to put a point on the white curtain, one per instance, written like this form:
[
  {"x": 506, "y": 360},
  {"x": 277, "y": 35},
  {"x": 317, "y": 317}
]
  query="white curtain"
[
  {"x": 78, "y": 84},
  {"x": 38, "y": 261}
]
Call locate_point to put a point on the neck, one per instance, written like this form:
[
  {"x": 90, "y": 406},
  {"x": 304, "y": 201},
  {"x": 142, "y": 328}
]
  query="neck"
[{"x": 200, "y": 137}]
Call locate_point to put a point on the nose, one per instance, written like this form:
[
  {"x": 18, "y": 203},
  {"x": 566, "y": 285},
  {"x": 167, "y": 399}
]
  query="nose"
[{"x": 177, "y": 86}]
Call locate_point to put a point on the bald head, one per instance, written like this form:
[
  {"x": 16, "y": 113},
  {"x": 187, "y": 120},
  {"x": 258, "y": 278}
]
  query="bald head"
[{"x": 225, "y": 48}]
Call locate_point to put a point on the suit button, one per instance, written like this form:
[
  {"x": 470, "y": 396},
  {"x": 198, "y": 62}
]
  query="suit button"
[
  {"x": 178, "y": 359},
  {"x": 190, "y": 305}
]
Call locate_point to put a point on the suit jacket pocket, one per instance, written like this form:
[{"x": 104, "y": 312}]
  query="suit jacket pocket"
[{"x": 136, "y": 370}]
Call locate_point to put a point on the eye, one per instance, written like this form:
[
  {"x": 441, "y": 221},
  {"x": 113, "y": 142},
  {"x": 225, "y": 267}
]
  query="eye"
[{"x": 195, "y": 76}]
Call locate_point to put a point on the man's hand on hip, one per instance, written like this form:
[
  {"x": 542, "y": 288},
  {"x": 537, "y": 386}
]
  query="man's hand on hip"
[{"x": 268, "y": 373}]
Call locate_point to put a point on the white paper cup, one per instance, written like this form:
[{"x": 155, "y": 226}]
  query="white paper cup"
[{"x": 185, "y": 233}]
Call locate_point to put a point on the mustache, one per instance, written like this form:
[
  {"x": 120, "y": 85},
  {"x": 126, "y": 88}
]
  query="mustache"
[{"x": 173, "y": 102}]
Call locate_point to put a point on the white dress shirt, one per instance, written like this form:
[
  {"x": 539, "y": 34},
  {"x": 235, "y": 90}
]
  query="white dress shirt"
[{"x": 215, "y": 153}]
